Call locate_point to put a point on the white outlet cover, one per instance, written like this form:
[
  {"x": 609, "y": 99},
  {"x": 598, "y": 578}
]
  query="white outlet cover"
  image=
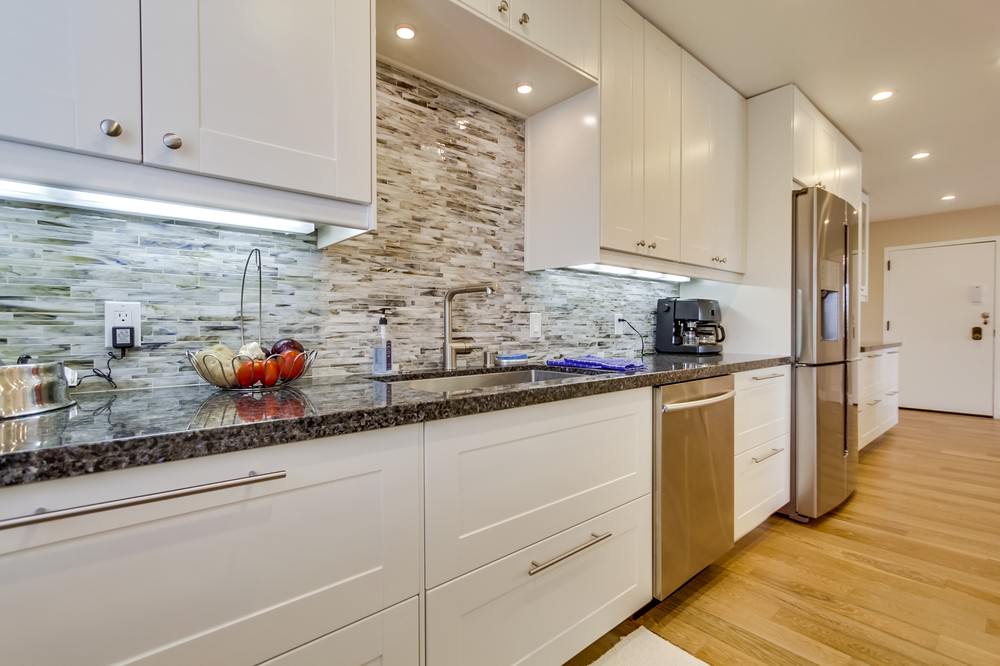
[
  {"x": 534, "y": 325},
  {"x": 122, "y": 313}
]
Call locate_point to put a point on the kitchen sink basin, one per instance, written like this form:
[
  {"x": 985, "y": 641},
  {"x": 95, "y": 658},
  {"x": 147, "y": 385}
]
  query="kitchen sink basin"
[{"x": 467, "y": 382}]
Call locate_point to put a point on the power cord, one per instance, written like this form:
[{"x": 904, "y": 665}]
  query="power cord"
[
  {"x": 105, "y": 374},
  {"x": 642, "y": 341}
]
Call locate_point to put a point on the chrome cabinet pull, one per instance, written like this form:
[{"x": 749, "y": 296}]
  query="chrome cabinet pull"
[
  {"x": 773, "y": 453},
  {"x": 539, "y": 567},
  {"x": 652, "y": 246},
  {"x": 872, "y": 403},
  {"x": 172, "y": 141},
  {"x": 695, "y": 404},
  {"x": 892, "y": 352},
  {"x": 111, "y": 127},
  {"x": 892, "y": 393},
  {"x": 44, "y": 516},
  {"x": 641, "y": 243},
  {"x": 503, "y": 7},
  {"x": 524, "y": 19},
  {"x": 766, "y": 377},
  {"x": 875, "y": 356}
]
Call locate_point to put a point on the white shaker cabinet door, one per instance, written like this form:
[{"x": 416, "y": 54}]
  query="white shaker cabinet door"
[
  {"x": 713, "y": 164},
  {"x": 70, "y": 75},
  {"x": 270, "y": 92},
  {"x": 662, "y": 172},
  {"x": 569, "y": 29},
  {"x": 622, "y": 141}
]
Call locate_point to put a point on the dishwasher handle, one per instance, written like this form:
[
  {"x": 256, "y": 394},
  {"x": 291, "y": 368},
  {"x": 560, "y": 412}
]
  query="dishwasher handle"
[{"x": 695, "y": 404}]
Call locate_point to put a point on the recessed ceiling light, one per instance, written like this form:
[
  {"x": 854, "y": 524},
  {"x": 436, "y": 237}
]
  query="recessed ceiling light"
[
  {"x": 405, "y": 31},
  {"x": 882, "y": 95},
  {"x": 920, "y": 156},
  {"x": 948, "y": 197},
  {"x": 524, "y": 88}
]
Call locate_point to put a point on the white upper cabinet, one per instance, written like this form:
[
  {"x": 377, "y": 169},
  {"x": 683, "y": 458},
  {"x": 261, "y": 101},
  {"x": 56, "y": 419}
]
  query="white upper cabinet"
[
  {"x": 256, "y": 91},
  {"x": 713, "y": 163},
  {"x": 662, "y": 151},
  {"x": 824, "y": 157},
  {"x": 70, "y": 75},
  {"x": 569, "y": 29},
  {"x": 622, "y": 140}
]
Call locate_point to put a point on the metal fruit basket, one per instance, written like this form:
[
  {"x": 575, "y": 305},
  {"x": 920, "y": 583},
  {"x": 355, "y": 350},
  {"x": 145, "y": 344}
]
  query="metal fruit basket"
[{"x": 238, "y": 373}]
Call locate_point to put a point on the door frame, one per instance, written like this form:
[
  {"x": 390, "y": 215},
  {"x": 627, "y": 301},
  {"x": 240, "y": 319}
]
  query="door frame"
[{"x": 996, "y": 295}]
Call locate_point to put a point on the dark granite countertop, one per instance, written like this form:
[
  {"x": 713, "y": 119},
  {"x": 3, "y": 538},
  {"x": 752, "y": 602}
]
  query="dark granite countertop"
[
  {"x": 120, "y": 429},
  {"x": 878, "y": 346}
]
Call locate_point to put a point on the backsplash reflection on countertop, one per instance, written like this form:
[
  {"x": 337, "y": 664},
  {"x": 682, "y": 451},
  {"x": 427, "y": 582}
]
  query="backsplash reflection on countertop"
[{"x": 450, "y": 212}]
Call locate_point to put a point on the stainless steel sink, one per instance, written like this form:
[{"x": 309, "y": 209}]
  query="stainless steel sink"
[{"x": 467, "y": 382}]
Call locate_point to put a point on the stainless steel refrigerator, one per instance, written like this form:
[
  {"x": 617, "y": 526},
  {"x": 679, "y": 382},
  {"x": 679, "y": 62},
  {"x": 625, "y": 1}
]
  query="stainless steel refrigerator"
[{"x": 824, "y": 310}]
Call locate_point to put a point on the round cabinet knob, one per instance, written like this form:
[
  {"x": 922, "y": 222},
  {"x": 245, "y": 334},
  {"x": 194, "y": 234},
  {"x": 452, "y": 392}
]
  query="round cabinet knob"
[
  {"x": 641, "y": 243},
  {"x": 111, "y": 127},
  {"x": 172, "y": 141},
  {"x": 503, "y": 7},
  {"x": 524, "y": 19},
  {"x": 652, "y": 246}
]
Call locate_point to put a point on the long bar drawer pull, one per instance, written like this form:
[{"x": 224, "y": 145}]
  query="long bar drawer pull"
[
  {"x": 695, "y": 404},
  {"x": 892, "y": 393},
  {"x": 892, "y": 352},
  {"x": 46, "y": 516},
  {"x": 872, "y": 403},
  {"x": 539, "y": 567},
  {"x": 772, "y": 453},
  {"x": 766, "y": 377}
]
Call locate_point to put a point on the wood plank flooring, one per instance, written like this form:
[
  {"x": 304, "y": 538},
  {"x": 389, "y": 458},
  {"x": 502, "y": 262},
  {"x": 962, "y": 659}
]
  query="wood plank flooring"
[{"x": 905, "y": 572}]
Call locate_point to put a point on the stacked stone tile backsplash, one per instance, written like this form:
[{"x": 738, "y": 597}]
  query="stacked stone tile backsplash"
[{"x": 450, "y": 212}]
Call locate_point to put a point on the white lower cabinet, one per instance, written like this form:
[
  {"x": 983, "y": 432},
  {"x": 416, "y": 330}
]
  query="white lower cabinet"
[
  {"x": 389, "y": 638},
  {"x": 878, "y": 407},
  {"x": 283, "y": 545},
  {"x": 545, "y": 603},
  {"x": 501, "y": 481},
  {"x": 762, "y": 470}
]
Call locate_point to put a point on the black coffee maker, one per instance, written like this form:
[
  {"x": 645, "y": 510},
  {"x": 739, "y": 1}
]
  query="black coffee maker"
[{"x": 689, "y": 326}]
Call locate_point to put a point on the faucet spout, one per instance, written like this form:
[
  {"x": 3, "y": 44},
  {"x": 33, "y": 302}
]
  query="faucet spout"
[{"x": 451, "y": 348}]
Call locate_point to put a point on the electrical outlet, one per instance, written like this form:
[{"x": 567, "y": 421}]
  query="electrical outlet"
[
  {"x": 534, "y": 325},
  {"x": 122, "y": 313},
  {"x": 619, "y": 324}
]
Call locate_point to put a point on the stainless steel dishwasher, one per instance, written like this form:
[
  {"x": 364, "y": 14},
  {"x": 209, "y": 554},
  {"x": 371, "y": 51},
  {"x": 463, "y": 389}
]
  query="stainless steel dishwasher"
[{"x": 692, "y": 479}]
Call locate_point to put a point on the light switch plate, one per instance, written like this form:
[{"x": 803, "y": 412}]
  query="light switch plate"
[
  {"x": 534, "y": 325},
  {"x": 122, "y": 313}
]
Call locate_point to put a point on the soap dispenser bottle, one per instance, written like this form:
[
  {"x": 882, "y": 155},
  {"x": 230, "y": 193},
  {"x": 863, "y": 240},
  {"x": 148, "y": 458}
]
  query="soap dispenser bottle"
[{"x": 382, "y": 347}]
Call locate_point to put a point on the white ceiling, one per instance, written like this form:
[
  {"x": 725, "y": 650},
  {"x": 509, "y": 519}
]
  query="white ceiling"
[{"x": 942, "y": 57}]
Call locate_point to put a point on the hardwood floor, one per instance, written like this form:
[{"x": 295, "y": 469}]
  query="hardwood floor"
[{"x": 907, "y": 571}]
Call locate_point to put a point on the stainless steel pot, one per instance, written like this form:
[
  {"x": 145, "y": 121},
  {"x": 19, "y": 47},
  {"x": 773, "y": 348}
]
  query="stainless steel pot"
[{"x": 33, "y": 388}]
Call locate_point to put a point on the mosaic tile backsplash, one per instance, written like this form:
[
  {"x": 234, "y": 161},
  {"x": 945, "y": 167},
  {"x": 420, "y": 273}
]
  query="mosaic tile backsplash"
[{"x": 450, "y": 211}]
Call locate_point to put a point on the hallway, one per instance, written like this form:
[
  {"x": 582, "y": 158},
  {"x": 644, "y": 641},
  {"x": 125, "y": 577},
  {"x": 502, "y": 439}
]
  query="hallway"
[{"x": 905, "y": 572}]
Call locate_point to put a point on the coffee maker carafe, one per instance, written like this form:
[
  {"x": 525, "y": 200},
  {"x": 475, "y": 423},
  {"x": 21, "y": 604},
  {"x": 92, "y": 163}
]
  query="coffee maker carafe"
[{"x": 689, "y": 326}]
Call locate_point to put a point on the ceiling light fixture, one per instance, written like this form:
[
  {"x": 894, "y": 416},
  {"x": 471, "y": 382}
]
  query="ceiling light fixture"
[
  {"x": 948, "y": 197},
  {"x": 882, "y": 95},
  {"x": 607, "y": 269},
  {"x": 116, "y": 203},
  {"x": 524, "y": 88},
  {"x": 405, "y": 31},
  {"x": 920, "y": 156}
]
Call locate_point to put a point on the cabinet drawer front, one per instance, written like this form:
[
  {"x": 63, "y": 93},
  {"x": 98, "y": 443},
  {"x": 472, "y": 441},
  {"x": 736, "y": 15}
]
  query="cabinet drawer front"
[
  {"x": 498, "y": 482},
  {"x": 501, "y": 614},
  {"x": 872, "y": 381},
  {"x": 762, "y": 483},
  {"x": 889, "y": 369},
  {"x": 763, "y": 406},
  {"x": 887, "y": 411},
  {"x": 271, "y": 565},
  {"x": 389, "y": 638}
]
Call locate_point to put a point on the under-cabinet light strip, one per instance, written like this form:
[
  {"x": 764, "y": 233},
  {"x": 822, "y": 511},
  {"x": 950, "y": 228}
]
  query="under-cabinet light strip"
[
  {"x": 117, "y": 203},
  {"x": 607, "y": 269}
]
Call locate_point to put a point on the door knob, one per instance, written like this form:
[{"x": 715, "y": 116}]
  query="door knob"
[
  {"x": 977, "y": 332},
  {"x": 524, "y": 19},
  {"x": 111, "y": 127},
  {"x": 172, "y": 141}
]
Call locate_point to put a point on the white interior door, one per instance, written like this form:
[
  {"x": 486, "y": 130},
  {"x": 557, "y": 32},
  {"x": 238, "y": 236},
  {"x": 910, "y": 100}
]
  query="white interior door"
[
  {"x": 261, "y": 91},
  {"x": 936, "y": 298}
]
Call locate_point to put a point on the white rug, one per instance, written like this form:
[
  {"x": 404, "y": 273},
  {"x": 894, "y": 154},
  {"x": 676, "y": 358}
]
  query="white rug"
[{"x": 644, "y": 648}]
